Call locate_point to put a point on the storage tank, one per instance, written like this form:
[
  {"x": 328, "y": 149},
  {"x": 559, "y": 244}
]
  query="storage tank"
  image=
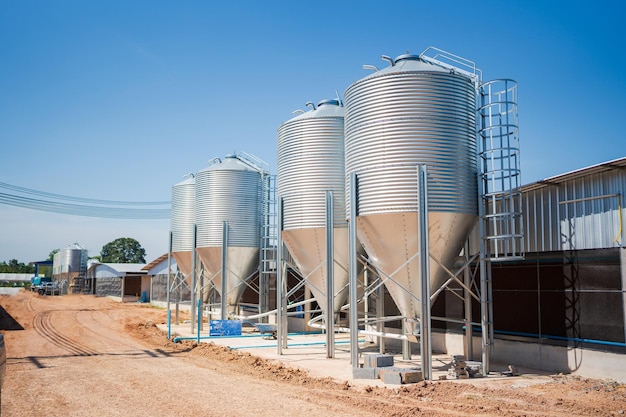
[
  {"x": 69, "y": 263},
  {"x": 311, "y": 162},
  {"x": 229, "y": 191},
  {"x": 410, "y": 113},
  {"x": 182, "y": 217}
]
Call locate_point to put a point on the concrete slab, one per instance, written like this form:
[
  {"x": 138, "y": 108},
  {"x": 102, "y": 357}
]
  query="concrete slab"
[{"x": 308, "y": 351}]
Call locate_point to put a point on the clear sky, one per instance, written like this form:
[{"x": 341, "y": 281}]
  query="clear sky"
[{"x": 117, "y": 100}]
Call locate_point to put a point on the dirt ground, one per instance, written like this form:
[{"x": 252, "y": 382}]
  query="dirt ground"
[{"x": 80, "y": 355}]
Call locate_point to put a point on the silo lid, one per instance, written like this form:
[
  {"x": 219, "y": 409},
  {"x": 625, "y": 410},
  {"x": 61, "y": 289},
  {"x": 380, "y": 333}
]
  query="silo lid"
[
  {"x": 406, "y": 57},
  {"x": 328, "y": 102},
  {"x": 406, "y": 63},
  {"x": 325, "y": 108},
  {"x": 231, "y": 162}
]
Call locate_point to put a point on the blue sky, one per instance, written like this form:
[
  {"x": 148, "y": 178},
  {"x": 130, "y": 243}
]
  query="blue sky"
[{"x": 118, "y": 100}]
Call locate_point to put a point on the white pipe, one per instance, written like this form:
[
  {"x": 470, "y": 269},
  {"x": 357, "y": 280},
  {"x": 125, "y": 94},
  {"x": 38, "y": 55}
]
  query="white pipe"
[{"x": 361, "y": 332}]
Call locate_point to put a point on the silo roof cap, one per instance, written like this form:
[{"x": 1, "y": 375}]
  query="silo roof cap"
[
  {"x": 325, "y": 108},
  {"x": 407, "y": 57},
  {"x": 331, "y": 102},
  {"x": 231, "y": 162}
]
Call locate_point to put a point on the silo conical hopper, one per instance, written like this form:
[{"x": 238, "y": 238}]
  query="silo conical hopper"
[
  {"x": 182, "y": 219},
  {"x": 311, "y": 162},
  {"x": 229, "y": 191},
  {"x": 408, "y": 114}
]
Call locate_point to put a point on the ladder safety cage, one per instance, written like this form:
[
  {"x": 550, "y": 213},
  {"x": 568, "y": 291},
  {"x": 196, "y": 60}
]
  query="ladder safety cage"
[{"x": 499, "y": 170}]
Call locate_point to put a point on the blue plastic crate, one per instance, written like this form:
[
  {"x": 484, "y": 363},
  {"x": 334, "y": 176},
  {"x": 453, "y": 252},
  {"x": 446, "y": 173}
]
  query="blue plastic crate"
[{"x": 225, "y": 328}]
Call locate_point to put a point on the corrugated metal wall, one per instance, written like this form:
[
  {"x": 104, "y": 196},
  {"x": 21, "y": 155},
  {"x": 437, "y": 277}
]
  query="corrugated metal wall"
[{"x": 575, "y": 213}]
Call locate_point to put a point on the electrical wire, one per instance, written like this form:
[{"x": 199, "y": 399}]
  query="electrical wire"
[
  {"x": 94, "y": 208},
  {"x": 81, "y": 199}
]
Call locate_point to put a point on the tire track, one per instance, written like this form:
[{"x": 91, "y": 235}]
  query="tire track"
[
  {"x": 29, "y": 305},
  {"x": 43, "y": 325}
]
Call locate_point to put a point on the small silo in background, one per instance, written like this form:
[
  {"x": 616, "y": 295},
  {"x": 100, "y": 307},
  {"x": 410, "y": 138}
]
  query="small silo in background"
[
  {"x": 69, "y": 263},
  {"x": 182, "y": 224}
]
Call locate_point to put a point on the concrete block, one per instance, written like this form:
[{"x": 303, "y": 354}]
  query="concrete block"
[
  {"x": 411, "y": 376},
  {"x": 380, "y": 372},
  {"x": 364, "y": 373},
  {"x": 375, "y": 360},
  {"x": 392, "y": 377}
]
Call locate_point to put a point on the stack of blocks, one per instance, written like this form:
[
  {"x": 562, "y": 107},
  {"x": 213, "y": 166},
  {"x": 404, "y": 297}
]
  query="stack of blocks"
[
  {"x": 462, "y": 369},
  {"x": 457, "y": 370},
  {"x": 382, "y": 366}
]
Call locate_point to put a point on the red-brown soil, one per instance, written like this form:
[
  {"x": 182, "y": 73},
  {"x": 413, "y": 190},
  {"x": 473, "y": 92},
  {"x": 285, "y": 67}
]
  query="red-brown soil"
[{"x": 87, "y": 356}]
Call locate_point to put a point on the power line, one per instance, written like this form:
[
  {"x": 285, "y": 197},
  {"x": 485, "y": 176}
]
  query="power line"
[
  {"x": 94, "y": 208},
  {"x": 81, "y": 199}
]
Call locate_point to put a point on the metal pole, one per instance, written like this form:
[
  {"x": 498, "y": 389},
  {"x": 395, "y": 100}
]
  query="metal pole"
[
  {"x": 330, "y": 288},
  {"x": 199, "y": 318},
  {"x": 406, "y": 345},
  {"x": 169, "y": 273},
  {"x": 354, "y": 317},
  {"x": 422, "y": 175},
  {"x": 484, "y": 311},
  {"x": 200, "y": 286},
  {"x": 380, "y": 312},
  {"x": 194, "y": 282},
  {"x": 224, "y": 304},
  {"x": 279, "y": 278},
  {"x": 468, "y": 307},
  {"x": 169, "y": 280}
]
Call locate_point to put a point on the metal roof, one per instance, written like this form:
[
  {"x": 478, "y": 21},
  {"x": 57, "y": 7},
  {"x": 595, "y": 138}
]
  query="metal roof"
[
  {"x": 122, "y": 268},
  {"x": 157, "y": 261},
  {"x": 619, "y": 163}
]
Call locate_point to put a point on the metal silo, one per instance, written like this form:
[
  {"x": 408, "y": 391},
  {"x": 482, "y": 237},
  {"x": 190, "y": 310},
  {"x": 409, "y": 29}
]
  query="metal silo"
[
  {"x": 412, "y": 113},
  {"x": 228, "y": 213},
  {"x": 182, "y": 223},
  {"x": 310, "y": 163}
]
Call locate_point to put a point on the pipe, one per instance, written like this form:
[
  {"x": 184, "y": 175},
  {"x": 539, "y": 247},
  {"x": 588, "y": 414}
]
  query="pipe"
[
  {"x": 341, "y": 342},
  {"x": 388, "y": 59},
  {"x": 169, "y": 324},
  {"x": 362, "y": 332},
  {"x": 269, "y": 313},
  {"x": 179, "y": 338},
  {"x": 371, "y": 67},
  {"x": 562, "y": 338}
]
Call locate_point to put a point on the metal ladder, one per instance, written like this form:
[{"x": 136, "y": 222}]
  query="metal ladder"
[{"x": 269, "y": 237}]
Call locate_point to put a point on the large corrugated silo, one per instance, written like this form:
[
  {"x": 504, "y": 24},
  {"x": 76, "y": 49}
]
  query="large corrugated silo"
[
  {"x": 230, "y": 191},
  {"x": 310, "y": 163},
  {"x": 409, "y": 114}
]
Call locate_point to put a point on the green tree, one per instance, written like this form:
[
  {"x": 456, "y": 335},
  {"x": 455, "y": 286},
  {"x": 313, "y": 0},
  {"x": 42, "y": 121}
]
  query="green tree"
[
  {"x": 125, "y": 250},
  {"x": 15, "y": 267},
  {"x": 52, "y": 253}
]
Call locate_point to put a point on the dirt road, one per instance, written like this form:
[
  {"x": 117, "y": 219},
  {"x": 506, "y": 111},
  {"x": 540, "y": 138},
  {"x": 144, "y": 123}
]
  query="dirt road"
[{"x": 85, "y": 356}]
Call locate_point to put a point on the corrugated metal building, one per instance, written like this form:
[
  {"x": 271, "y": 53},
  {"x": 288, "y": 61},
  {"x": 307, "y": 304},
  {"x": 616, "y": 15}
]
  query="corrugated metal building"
[
  {"x": 562, "y": 307},
  {"x": 577, "y": 210},
  {"x": 568, "y": 295}
]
